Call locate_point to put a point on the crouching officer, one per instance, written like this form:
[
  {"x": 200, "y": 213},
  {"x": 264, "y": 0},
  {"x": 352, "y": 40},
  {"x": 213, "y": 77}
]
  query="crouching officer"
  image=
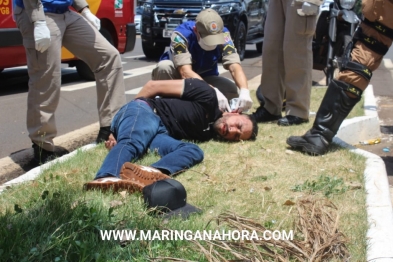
[
  {"x": 363, "y": 56},
  {"x": 195, "y": 50},
  {"x": 46, "y": 25}
]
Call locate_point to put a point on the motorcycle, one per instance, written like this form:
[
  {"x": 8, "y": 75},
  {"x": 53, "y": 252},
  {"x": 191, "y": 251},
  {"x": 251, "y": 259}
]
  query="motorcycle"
[{"x": 336, "y": 24}]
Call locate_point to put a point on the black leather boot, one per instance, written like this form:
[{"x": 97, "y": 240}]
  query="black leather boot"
[
  {"x": 260, "y": 97},
  {"x": 335, "y": 107},
  {"x": 103, "y": 134},
  {"x": 262, "y": 115},
  {"x": 41, "y": 156}
]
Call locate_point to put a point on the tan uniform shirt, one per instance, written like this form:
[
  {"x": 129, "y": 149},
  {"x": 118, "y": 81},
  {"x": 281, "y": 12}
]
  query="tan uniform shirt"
[
  {"x": 184, "y": 57},
  {"x": 35, "y": 9}
]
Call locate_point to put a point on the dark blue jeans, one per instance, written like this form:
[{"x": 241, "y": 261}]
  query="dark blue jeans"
[{"x": 137, "y": 128}]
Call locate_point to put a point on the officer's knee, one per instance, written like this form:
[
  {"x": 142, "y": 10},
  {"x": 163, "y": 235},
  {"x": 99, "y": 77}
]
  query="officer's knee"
[
  {"x": 165, "y": 66},
  {"x": 165, "y": 70},
  {"x": 113, "y": 57}
]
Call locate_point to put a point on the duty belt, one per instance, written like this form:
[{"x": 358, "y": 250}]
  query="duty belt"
[{"x": 56, "y": 10}]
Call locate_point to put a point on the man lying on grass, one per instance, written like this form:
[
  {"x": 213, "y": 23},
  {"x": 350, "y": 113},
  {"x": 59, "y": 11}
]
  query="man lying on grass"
[{"x": 188, "y": 109}]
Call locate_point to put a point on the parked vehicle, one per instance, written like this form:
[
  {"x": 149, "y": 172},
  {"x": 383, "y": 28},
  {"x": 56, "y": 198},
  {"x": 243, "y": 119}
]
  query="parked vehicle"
[
  {"x": 336, "y": 25},
  {"x": 243, "y": 18},
  {"x": 116, "y": 26},
  {"x": 137, "y": 18}
]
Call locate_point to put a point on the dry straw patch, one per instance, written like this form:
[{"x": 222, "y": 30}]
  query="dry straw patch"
[{"x": 317, "y": 224}]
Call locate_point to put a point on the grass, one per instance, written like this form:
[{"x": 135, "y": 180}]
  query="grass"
[{"x": 53, "y": 219}]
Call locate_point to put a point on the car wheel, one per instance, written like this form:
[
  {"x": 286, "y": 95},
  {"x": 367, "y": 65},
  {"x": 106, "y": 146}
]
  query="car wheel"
[
  {"x": 82, "y": 68},
  {"x": 240, "y": 39},
  {"x": 259, "y": 47},
  {"x": 153, "y": 51}
]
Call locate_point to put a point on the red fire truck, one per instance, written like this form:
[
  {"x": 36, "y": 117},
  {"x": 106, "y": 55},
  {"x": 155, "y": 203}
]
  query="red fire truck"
[{"x": 117, "y": 17}]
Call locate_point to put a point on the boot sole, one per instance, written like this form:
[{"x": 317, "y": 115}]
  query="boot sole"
[
  {"x": 130, "y": 186},
  {"x": 291, "y": 124},
  {"x": 135, "y": 173},
  {"x": 305, "y": 147}
]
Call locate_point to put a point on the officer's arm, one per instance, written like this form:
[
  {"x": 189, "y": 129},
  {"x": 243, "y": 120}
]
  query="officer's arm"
[
  {"x": 238, "y": 75},
  {"x": 34, "y": 10},
  {"x": 187, "y": 72},
  {"x": 181, "y": 57},
  {"x": 231, "y": 61},
  {"x": 79, "y": 5},
  {"x": 164, "y": 88}
]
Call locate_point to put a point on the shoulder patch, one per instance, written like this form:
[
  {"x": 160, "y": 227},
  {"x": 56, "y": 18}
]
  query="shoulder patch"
[
  {"x": 228, "y": 49},
  {"x": 228, "y": 39},
  {"x": 179, "y": 48},
  {"x": 178, "y": 43},
  {"x": 178, "y": 39}
]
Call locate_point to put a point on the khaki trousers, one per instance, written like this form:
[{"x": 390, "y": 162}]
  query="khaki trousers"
[
  {"x": 373, "y": 10},
  {"x": 84, "y": 41},
  {"x": 287, "y": 59},
  {"x": 166, "y": 70}
]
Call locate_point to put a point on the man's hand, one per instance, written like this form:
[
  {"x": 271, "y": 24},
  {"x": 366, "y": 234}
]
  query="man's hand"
[
  {"x": 223, "y": 104},
  {"x": 245, "y": 102},
  {"x": 91, "y": 18},
  {"x": 110, "y": 143},
  {"x": 41, "y": 36}
]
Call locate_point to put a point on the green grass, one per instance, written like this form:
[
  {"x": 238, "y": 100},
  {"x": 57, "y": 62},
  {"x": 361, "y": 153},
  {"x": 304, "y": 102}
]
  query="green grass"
[
  {"x": 53, "y": 219},
  {"x": 325, "y": 184}
]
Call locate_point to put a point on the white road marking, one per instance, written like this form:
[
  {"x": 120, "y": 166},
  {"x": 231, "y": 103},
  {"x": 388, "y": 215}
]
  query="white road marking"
[
  {"x": 64, "y": 70},
  {"x": 73, "y": 87},
  {"x": 221, "y": 70},
  {"x": 134, "y": 91},
  {"x": 127, "y": 74},
  {"x": 87, "y": 84},
  {"x": 139, "y": 71},
  {"x": 135, "y": 56}
]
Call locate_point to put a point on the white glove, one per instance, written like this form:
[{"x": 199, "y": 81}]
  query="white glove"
[
  {"x": 310, "y": 9},
  {"x": 245, "y": 102},
  {"x": 41, "y": 36},
  {"x": 223, "y": 104},
  {"x": 91, "y": 18}
]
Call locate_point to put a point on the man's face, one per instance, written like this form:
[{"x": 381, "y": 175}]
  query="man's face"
[{"x": 233, "y": 127}]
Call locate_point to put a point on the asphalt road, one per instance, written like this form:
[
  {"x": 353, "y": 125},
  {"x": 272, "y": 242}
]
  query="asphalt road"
[{"x": 77, "y": 107}]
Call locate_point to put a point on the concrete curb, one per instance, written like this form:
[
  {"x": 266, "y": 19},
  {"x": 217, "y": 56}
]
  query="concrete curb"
[
  {"x": 71, "y": 141},
  {"x": 378, "y": 203},
  {"x": 35, "y": 172}
]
